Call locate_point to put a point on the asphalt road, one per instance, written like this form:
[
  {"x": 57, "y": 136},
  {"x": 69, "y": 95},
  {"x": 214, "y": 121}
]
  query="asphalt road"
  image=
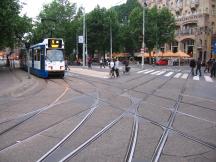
[{"x": 152, "y": 114}]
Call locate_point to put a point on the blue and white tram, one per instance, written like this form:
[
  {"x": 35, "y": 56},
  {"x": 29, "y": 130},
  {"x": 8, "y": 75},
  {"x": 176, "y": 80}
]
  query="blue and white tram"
[{"x": 47, "y": 58}]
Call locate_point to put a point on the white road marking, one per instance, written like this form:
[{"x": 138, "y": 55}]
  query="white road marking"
[
  {"x": 185, "y": 76},
  {"x": 196, "y": 78},
  {"x": 168, "y": 74},
  {"x": 162, "y": 72},
  {"x": 208, "y": 78},
  {"x": 154, "y": 73},
  {"x": 177, "y": 75},
  {"x": 149, "y": 71},
  {"x": 142, "y": 71}
]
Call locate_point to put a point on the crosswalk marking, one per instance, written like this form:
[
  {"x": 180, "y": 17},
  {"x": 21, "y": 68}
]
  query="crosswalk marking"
[
  {"x": 154, "y": 73},
  {"x": 177, "y": 75},
  {"x": 147, "y": 72},
  {"x": 208, "y": 78},
  {"x": 162, "y": 72},
  {"x": 196, "y": 78},
  {"x": 184, "y": 76},
  {"x": 143, "y": 71},
  {"x": 168, "y": 74}
]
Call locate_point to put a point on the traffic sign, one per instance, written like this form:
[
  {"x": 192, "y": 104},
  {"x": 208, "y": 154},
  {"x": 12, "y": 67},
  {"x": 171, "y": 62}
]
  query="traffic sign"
[{"x": 142, "y": 50}]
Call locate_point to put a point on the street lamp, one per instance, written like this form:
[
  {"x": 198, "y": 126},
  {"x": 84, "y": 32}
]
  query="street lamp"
[
  {"x": 143, "y": 41},
  {"x": 84, "y": 38},
  {"x": 110, "y": 39},
  {"x": 27, "y": 45}
]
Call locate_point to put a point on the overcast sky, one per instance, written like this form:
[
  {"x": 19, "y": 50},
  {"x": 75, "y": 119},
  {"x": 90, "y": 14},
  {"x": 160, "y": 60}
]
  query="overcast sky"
[{"x": 33, "y": 7}]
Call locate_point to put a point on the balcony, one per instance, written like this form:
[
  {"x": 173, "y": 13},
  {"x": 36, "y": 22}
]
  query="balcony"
[
  {"x": 186, "y": 32},
  {"x": 180, "y": 5},
  {"x": 214, "y": 12},
  {"x": 194, "y": 4}
]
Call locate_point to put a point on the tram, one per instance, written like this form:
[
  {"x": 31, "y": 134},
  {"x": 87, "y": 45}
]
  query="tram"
[{"x": 45, "y": 59}]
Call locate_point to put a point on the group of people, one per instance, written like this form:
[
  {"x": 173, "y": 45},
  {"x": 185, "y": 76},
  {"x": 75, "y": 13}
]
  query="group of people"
[
  {"x": 114, "y": 68},
  {"x": 210, "y": 66}
]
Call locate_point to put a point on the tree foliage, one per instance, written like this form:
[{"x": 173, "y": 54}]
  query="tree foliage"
[
  {"x": 61, "y": 18},
  {"x": 12, "y": 25}
]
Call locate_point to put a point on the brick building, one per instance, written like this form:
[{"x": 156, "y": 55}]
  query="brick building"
[{"x": 195, "y": 26}]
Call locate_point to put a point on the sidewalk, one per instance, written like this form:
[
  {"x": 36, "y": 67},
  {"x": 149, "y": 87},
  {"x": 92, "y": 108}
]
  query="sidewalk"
[
  {"x": 93, "y": 72},
  {"x": 15, "y": 83}
]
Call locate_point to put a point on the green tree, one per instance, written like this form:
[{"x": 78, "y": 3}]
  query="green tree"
[
  {"x": 12, "y": 25},
  {"x": 56, "y": 20},
  {"x": 159, "y": 27}
]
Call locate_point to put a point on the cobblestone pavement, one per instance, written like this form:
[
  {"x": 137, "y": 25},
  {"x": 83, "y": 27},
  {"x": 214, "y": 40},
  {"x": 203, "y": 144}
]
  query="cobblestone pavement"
[{"x": 159, "y": 113}]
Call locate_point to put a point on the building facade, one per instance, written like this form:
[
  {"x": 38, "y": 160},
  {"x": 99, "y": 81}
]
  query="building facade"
[{"x": 195, "y": 26}]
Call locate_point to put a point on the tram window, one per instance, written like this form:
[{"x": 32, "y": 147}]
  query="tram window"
[
  {"x": 37, "y": 54},
  {"x": 30, "y": 54},
  {"x": 55, "y": 55}
]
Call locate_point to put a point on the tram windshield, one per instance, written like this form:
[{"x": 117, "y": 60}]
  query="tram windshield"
[{"x": 55, "y": 55}]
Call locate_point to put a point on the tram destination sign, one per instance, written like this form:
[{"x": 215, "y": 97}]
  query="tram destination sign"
[{"x": 54, "y": 43}]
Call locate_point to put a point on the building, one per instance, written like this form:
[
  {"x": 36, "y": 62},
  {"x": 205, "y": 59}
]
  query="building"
[{"x": 195, "y": 26}]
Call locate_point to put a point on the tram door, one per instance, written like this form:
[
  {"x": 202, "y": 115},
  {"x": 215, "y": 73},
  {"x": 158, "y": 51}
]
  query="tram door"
[{"x": 42, "y": 58}]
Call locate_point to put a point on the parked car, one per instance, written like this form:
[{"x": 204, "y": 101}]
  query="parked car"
[{"x": 162, "y": 62}]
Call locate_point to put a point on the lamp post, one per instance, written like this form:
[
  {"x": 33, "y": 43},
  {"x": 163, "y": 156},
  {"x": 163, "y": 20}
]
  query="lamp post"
[
  {"x": 84, "y": 39},
  {"x": 110, "y": 39},
  {"x": 27, "y": 45},
  {"x": 143, "y": 31}
]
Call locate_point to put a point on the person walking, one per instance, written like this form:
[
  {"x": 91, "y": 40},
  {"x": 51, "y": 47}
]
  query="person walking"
[
  {"x": 117, "y": 67},
  {"x": 208, "y": 66},
  {"x": 66, "y": 65},
  {"x": 112, "y": 68},
  {"x": 102, "y": 63},
  {"x": 192, "y": 65},
  {"x": 213, "y": 69},
  {"x": 198, "y": 66},
  {"x": 89, "y": 62}
]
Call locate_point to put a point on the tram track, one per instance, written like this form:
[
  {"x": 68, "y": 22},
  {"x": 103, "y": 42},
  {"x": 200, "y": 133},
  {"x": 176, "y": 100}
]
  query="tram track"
[
  {"x": 43, "y": 130},
  {"x": 154, "y": 95},
  {"x": 164, "y": 137},
  {"x": 134, "y": 132},
  {"x": 37, "y": 112},
  {"x": 31, "y": 114}
]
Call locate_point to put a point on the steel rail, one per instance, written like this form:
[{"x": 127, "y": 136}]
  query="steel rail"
[
  {"x": 35, "y": 113},
  {"x": 163, "y": 139},
  {"x": 93, "y": 138}
]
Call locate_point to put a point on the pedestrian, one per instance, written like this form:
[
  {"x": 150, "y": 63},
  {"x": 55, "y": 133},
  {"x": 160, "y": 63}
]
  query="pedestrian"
[
  {"x": 213, "y": 69},
  {"x": 198, "y": 66},
  {"x": 117, "y": 67},
  {"x": 192, "y": 65},
  {"x": 208, "y": 66},
  {"x": 89, "y": 62},
  {"x": 102, "y": 63},
  {"x": 112, "y": 68},
  {"x": 66, "y": 65}
]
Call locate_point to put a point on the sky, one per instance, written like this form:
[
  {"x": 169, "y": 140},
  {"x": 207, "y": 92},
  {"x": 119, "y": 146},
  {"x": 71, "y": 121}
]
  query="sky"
[{"x": 33, "y": 7}]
